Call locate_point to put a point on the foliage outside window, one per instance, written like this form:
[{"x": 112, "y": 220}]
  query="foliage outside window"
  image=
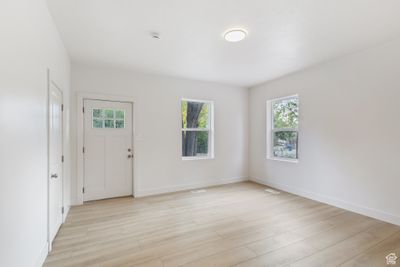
[
  {"x": 284, "y": 128},
  {"x": 196, "y": 129},
  {"x": 108, "y": 118}
]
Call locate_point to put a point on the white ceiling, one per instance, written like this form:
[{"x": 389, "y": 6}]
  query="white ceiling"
[{"x": 284, "y": 35}]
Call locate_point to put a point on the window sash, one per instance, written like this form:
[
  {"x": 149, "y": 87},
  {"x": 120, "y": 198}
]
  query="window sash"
[
  {"x": 285, "y": 130},
  {"x": 209, "y": 129},
  {"x": 208, "y": 103},
  {"x": 196, "y": 129},
  {"x": 297, "y": 142},
  {"x": 271, "y": 130},
  {"x": 209, "y": 144},
  {"x": 272, "y": 112}
]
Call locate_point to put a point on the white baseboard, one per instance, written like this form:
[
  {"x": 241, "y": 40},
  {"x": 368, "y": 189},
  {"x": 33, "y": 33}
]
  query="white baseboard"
[
  {"x": 171, "y": 189},
  {"x": 66, "y": 211},
  {"x": 43, "y": 255},
  {"x": 377, "y": 214}
]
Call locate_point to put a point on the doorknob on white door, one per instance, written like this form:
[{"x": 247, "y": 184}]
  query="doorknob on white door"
[
  {"x": 130, "y": 156},
  {"x": 54, "y": 176}
]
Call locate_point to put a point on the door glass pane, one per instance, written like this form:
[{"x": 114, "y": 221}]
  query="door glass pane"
[
  {"x": 195, "y": 143},
  {"x": 109, "y": 123},
  {"x": 109, "y": 114},
  {"x": 119, "y": 124},
  {"x": 195, "y": 114},
  {"x": 285, "y": 144},
  {"x": 97, "y": 123},
  {"x": 120, "y": 114},
  {"x": 98, "y": 113}
]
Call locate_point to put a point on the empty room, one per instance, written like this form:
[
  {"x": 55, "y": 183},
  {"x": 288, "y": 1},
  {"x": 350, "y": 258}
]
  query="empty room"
[{"x": 168, "y": 133}]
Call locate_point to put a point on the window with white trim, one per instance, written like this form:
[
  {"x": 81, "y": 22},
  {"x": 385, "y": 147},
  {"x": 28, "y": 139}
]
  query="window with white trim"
[
  {"x": 197, "y": 129},
  {"x": 282, "y": 128}
]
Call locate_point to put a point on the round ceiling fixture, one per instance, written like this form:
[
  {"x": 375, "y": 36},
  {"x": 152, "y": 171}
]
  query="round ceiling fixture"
[{"x": 235, "y": 35}]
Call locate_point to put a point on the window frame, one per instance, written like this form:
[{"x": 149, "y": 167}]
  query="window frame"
[
  {"x": 209, "y": 129},
  {"x": 271, "y": 131}
]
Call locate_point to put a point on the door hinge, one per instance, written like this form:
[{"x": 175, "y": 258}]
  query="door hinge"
[
  {"x": 83, "y": 109},
  {"x": 62, "y": 210},
  {"x": 83, "y": 190},
  {"x": 62, "y": 107},
  {"x": 62, "y": 158},
  {"x": 83, "y": 149}
]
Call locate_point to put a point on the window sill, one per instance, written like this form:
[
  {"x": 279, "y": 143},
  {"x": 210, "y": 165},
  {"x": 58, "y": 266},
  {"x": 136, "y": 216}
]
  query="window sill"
[
  {"x": 196, "y": 158},
  {"x": 284, "y": 160}
]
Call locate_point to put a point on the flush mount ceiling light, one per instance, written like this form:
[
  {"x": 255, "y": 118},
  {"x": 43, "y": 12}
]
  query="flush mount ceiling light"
[{"x": 235, "y": 35}]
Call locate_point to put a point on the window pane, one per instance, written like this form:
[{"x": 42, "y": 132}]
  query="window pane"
[
  {"x": 119, "y": 124},
  {"x": 120, "y": 114},
  {"x": 195, "y": 114},
  {"x": 97, "y": 123},
  {"x": 195, "y": 143},
  {"x": 97, "y": 113},
  {"x": 285, "y": 144},
  {"x": 286, "y": 113},
  {"x": 109, "y": 123},
  {"x": 109, "y": 113},
  {"x": 184, "y": 113}
]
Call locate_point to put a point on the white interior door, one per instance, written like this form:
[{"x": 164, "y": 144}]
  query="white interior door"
[
  {"x": 55, "y": 161},
  {"x": 108, "y": 164}
]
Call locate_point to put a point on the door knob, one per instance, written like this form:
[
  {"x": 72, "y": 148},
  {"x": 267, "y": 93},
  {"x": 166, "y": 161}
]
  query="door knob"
[
  {"x": 54, "y": 176},
  {"x": 130, "y": 156}
]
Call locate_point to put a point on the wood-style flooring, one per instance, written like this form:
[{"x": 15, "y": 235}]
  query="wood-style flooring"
[{"x": 232, "y": 225}]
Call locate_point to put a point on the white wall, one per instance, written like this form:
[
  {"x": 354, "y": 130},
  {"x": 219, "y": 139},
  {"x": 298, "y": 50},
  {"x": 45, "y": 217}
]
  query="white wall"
[
  {"x": 158, "y": 165},
  {"x": 29, "y": 45},
  {"x": 349, "y": 133}
]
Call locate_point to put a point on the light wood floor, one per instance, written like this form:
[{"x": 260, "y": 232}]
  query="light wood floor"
[{"x": 232, "y": 225}]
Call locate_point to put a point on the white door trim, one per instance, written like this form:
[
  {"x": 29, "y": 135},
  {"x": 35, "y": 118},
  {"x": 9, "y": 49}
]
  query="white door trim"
[
  {"x": 80, "y": 137},
  {"x": 49, "y": 82}
]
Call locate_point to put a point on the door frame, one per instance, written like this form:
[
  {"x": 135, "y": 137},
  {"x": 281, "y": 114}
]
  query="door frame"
[
  {"x": 50, "y": 81},
  {"x": 81, "y": 96}
]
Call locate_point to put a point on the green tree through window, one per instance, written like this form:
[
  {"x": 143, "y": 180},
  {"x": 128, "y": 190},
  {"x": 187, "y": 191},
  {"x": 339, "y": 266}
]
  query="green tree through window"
[
  {"x": 195, "y": 128},
  {"x": 285, "y": 117}
]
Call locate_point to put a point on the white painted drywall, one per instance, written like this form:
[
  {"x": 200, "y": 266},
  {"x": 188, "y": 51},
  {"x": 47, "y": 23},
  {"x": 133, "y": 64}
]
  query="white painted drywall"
[
  {"x": 349, "y": 145},
  {"x": 29, "y": 45},
  {"x": 157, "y": 122},
  {"x": 283, "y": 36}
]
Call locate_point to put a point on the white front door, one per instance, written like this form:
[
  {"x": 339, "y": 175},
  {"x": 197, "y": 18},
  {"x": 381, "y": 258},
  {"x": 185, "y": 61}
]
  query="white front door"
[
  {"x": 108, "y": 164},
  {"x": 55, "y": 160}
]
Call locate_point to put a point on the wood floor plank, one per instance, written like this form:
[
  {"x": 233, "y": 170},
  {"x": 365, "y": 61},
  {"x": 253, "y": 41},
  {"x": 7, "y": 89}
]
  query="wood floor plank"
[
  {"x": 270, "y": 230},
  {"x": 348, "y": 248},
  {"x": 238, "y": 224},
  {"x": 223, "y": 259}
]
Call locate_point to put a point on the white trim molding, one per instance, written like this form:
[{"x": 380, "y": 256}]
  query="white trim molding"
[{"x": 370, "y": 212}]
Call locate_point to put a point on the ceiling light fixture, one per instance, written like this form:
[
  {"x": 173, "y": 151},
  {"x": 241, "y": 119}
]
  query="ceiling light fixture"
[{"x": 235, "y": 35}]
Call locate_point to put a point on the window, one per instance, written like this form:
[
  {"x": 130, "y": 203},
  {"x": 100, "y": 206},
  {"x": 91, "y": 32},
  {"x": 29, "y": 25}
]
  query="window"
[
  {"x": 282, "y": 128},
  {"x": 108, "y": 118},
  {"x": 197, "y": 130}
]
